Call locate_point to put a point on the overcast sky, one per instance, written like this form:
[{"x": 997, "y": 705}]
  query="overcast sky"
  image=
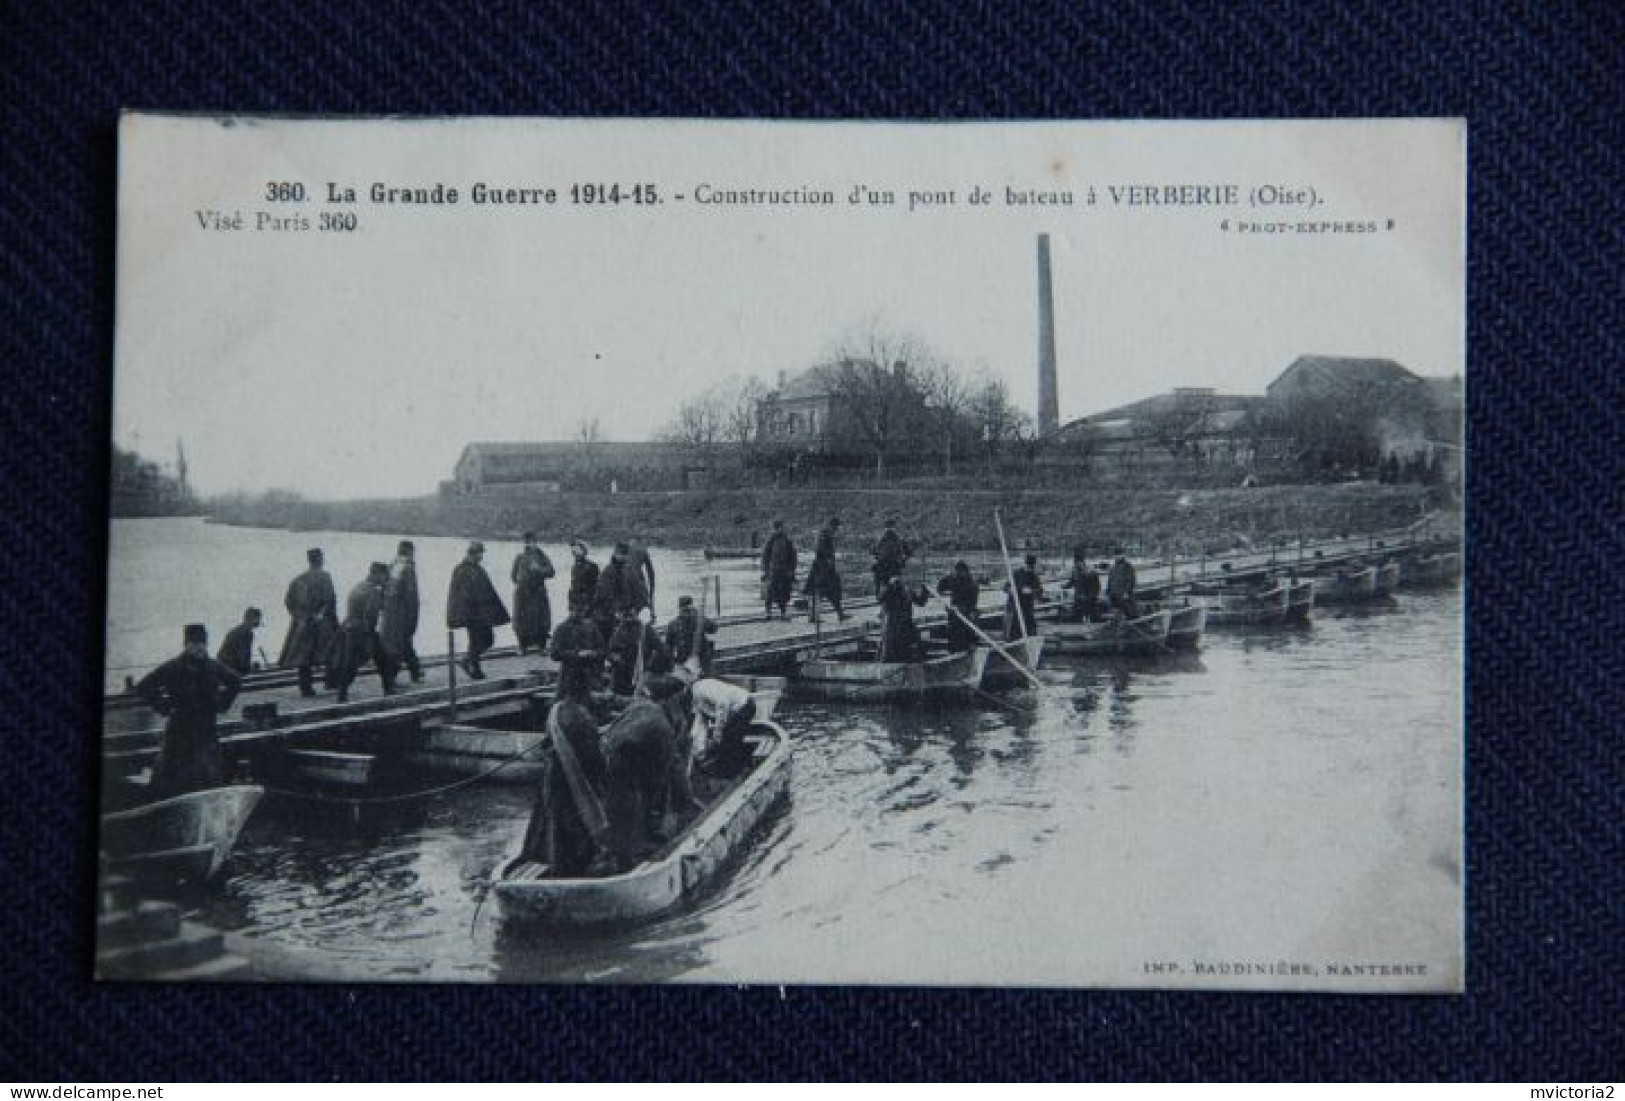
[{"x": 359, "y": 364}]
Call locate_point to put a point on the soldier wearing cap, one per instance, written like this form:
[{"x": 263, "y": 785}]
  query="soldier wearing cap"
[
  {"x": 357, "y": 643},
  {"x": 890, "y": 555},
  {"x": 237, "y": 648},
  {"x": 312, "y": 605},
  {"x": 400, "y": 616},
  {"x": 621, "y": 591},
  {"x": 189, "y": 691},
  {"x": 824, "y": 579},
  {"x": 778, "y": 571},
  {"x": 1024, "y": 597},
  {"x": 473, "y": 603},
  {"x": 532, "y": 611},
  {"x": 686, "y": 638},
  {"x": 1120, "y": 584}
]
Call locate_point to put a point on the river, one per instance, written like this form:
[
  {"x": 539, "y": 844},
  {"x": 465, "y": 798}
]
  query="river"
[{"x": 1282, "y": 798}]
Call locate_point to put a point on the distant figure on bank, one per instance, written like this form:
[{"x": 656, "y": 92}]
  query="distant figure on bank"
[
  {"x": 237, "y": 650},
  {"x": 357, "y": 642},
  {"x": 778, "y": 571},
  {"x": 569, "y": 829},
  {"x": 824, "y": 579},
  {"x": 189, "y": 691},
  {"x": 687, "y": 638},
  {"x": 723, "y": 713},
  {"x": 312, "y": 605},
  {"x": 1085, "y": 585},
  {"x": 473, "y": 603},
  {"x": 899, "y": 638},
  {"x": 890, "y": 555},
  {"x": 583, "y": 575},
  {"x": 580, "y": 650},
  {"x": 621, "y": 590},
  {"x": 1018, "y": 611},
  {"x": 963, "y": 593},
  {"x": 1120, "y": 585},
  {"x": 400, "y": 618},
  {"x": 532, "y": 612}
]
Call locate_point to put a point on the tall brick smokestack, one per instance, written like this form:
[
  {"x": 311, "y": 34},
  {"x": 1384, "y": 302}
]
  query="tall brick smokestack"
[{"x": 1049, "y": 405}]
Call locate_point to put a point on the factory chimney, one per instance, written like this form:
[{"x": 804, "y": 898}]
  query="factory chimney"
[{"x": 1049, "y": 412}]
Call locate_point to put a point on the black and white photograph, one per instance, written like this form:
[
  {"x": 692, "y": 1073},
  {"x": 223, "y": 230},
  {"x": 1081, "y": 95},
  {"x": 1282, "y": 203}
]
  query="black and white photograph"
[{"x": 958, "y": 554}]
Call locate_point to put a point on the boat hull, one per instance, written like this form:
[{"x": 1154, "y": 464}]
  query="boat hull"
[
  {"x": 1432, "y": 570},
  {"x": 893, "y": 682},
  {"x": 187, "y": 835},
  {"x": 1347, "y": 587},
  {"x": 1185, "y": 627},
  {"x": 678, "y": 874},
  {"x": 1144, "y": 636},
  {"x": 1000, "y": 672}
]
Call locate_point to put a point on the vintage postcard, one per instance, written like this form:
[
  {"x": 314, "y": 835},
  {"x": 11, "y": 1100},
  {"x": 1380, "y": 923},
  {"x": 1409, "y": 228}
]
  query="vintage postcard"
[{"x": 1019, "y": 554}]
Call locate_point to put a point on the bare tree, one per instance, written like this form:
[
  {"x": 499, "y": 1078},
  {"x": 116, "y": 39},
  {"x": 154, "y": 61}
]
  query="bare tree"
[
  {"x": 948, "y": 396},
  {"x": 588, "y": 435},
  {"x": 876, "y": 390},
  {"x": 1000, "y": 422},
  {"x": 698, "y": 427},
  {"x": 743, "y": 415}
]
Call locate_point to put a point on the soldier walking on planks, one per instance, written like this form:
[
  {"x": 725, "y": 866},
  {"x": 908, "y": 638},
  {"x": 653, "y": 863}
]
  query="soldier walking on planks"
[
  {"x": 189, "y": 691},
  {"x": 824, "y": 579},
  {"x": 1018, "y": 612},
  {"x": 532, "y": 612},
  {"x": 237, "y": 650},
  {"x": 400, "y": 615},
  {"x": 778, "y": 571},
  {"x": 473, "y": 603},
  {"x": 312, "y": 604},
  {"x": 357, "y": 641}
]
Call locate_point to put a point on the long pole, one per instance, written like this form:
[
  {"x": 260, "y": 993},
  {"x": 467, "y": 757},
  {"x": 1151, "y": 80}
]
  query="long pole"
[{"x": 1010, "y": 571}]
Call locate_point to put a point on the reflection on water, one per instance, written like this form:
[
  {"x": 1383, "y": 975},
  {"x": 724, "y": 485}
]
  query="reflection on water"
[{"x": 1279, "y": 792}]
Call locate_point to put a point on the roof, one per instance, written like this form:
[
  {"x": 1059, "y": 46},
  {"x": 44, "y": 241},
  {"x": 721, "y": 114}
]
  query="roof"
[
  {"x": 815, "y": 382},
  {"x": 1334, "y": 374}
]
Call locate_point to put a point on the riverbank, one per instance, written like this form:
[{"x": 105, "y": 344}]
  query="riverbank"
[{"x": 942, "y": 517}]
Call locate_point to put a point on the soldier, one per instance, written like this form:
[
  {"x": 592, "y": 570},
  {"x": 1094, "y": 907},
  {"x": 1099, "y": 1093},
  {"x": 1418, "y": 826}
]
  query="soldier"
[
  {"x": 532, "y": 613},
  {"x": 899, "y": 638},
  {"x": 357, "y": 641},
  {"x": 312, "y": 607},
  {"x": 824, "y": 579},
  {"x": 1120, "y": 585},
  {"x": 579, "y": 650},
  {"x": 237, "y": 651},
  {"x": 891, "y": 554},
  {"x": 473, "y": 603},
  {"x": 400, "y": 616},
  {"x": 686, "y": 638},
  {"x": 778, "y": 571},
  {"x": 189, "y": 691},
  {"x": 1085, "y": 585},
  {"x": 569, "y": 830},
  {"x": 1018, "y": 612},
  {"x": 963, "y": 593},
  {"x": 621, "y": 591},
  {"x": 583, "y": 576}
]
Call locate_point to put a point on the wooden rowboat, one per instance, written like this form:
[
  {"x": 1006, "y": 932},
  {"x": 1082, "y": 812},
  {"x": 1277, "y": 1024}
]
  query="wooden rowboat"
[
  {"x": 686, "y": 867},
  {"x": 1387, "y": 578},
  {"x": 1355, "y": 585},
  {"x": 1300, "y": 601},
  {"x": 1433, "y": 569},
  {"x": 1185, "y": 626},
  {"x": 1240, "y": 606},
  {"x": 859, "y": 681},
  {"x": 1145, "y": 635},
  {"x": 184, "y": 837}
]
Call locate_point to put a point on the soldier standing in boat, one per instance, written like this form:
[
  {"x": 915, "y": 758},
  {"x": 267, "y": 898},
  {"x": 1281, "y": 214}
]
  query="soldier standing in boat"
[
  {"x": 1085, "y": 585},
  {"x": 824, "y": 579},
  {"x": 532, "y": 613},
  {"x": 687, "y": 638},
  {"x": 189, "y": 691},
  {"x": 569, "y": 830},
  {"x": 963, "y": 593},
  {"x": 635, "y": 651},
  {"x": 899, "y": 638},
  {"x": 621, "y": 591},
  {"x": 647, "y": 770},
  {"x": 579, "y": 650},
  {"x": 1019, "y": 609},
  {"x": 312, "y": 605},
  {"x": 1120, "y": 585},
  {"x": 778, "y": 571},
  {"x": 473, "y": 603},
  {"x": 400, "y": 616},
  {"x": 357, "y": 641},
  {"x": 890, "y": 555},
  {"x": 237, "y": 650}
]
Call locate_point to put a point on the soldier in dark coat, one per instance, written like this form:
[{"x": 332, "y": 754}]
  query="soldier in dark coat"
[
  {"x": 687, "y": 637},
  {"x": 646, "y": 769},
  {"x": 312, "y": 605},
  {"x": 824, "y": 579},
  {"x": 1120, "y": 585},
  {"x": 637, "y": 556},
  {"x": 621, "y": 591},
  {"x": 357, "y": 641},
  {"x": 624, "y": 653},
  {"x": 532, "y": 612},
  {"x": 568, "y": 828},
  {"x": 583, "y": 576},
  {"x": 778, "y": 571},
  {"x": 899, "y": 638},
  {"x": 189, "y": 691},
  {"x": 963, "y": 593},
  {"x": 579, "y": 649},
  {"x": 473, "y": 603},
  {"x": 237, "y": 649},
  {"x": 1028, "y": 591},
  {"x": 890, "y": 555},
  {"x": 1085, "y": 585},
  {"x": 400, "y": 617}
]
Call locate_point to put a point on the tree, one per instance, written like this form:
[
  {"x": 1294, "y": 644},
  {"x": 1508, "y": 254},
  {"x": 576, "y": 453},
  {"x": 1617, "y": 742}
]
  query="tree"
[
  {"x": 1000, "y": 422},
  {"x": 948, "y": 396},
  {"x": 698, "y": 427},
  {"x": 589, "y": 435},
  {"x": 743, "y": 424},
  {"x": 876, "y": 392}
]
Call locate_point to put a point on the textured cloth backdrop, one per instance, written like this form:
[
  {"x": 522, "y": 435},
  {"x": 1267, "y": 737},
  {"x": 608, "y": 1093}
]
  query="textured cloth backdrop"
[{"x": 1540, "y": 84}]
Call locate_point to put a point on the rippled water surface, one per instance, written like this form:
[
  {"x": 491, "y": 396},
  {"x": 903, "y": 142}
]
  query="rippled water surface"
[{"x": 1280, "y": 796}]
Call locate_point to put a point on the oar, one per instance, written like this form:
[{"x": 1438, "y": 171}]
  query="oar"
[{"x": 1028, "y": 673}]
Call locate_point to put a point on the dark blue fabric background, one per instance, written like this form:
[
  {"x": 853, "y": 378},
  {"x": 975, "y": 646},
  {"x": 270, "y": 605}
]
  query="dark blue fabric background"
[{"x": 1541, "y": 86}]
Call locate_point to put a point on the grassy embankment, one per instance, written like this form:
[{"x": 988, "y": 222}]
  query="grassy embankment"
[{"x": 940, "y": 517}]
